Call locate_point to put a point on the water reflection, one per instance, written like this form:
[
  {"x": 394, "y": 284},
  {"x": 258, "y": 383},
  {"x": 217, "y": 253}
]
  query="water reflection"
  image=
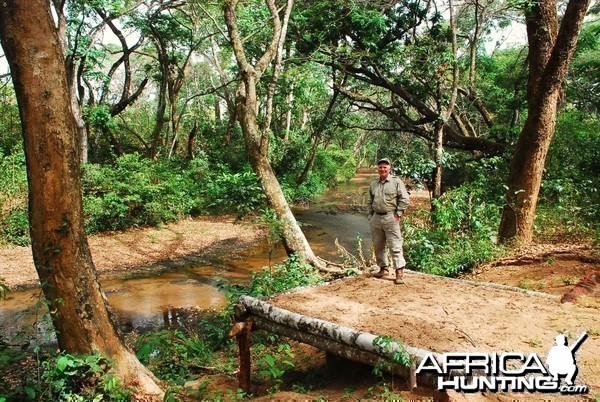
[{"x": 175, "y": 295}]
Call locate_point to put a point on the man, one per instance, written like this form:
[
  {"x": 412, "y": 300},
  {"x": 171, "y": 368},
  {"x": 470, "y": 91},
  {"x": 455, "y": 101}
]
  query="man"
[{"x": 387, "y": 203}]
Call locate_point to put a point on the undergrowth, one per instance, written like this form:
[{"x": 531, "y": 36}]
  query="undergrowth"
[
  {"x": 134, "y": 191},
  {"x": 459, "y": 233},
  {"x": 172, "y": 354}
]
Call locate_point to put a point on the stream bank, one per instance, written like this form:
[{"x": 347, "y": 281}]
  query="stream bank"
[{"x": 159, "y": 276}]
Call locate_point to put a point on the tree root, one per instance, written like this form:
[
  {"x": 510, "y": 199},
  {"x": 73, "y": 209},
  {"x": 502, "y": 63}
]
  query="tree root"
[{"x": 335, "y": 270}]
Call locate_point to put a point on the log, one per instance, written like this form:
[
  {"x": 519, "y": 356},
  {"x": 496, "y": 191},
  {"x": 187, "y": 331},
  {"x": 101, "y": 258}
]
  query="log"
[
  {"x": 347, "y": 352},
  {"x": 343, "y": 341}
]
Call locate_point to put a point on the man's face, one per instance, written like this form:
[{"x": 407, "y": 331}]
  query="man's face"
[{"x": 384, "y": 170}]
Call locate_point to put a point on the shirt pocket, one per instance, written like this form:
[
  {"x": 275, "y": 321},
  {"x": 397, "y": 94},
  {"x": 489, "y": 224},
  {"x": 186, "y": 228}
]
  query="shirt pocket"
[{"x": 389, "y": 195}]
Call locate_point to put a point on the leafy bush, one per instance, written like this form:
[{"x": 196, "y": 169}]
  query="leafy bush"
[
  {"x": 140, "y": 192},
  {"x": 459, "y": 234},
  {"x": 169, "y": 354},
  {"x": 289, "y": 274},
  {"x": 14, "y": 225},
  {"x": 234, "y": 192},
  {"x": 70, "y": 377},
  {"x": 135, "y": 191},
  {"x": 570, "y": 190}
]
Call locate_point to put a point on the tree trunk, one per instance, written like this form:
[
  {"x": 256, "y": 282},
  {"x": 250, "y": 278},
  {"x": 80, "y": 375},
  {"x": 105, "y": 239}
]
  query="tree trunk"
[
  {"x": 60, "y": 250},
  {"x": 526, "y": 171},
  {"x": 444, "y": 113},
  {"x": 159, "y": 119},
  {"x": 246, "y": 103},
  {"x": 309, "y": 162},
  {"x": 550, "y": 52},
  {"x": 438, "y": 169},
  {"x": 191, "y": 144},
  {"x": 294, "y": 241}
]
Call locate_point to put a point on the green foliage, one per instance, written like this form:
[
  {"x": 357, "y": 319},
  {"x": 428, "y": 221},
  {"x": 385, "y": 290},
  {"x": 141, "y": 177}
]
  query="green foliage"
[
  {"x": 394, "y": 350},
  {"x": 69, "y": 377},
  {"x": 371, "y": 29},
  {"x": 289, "y": 274},
  {"x": 140, "y": 192},
  {"x": 10, "y": 125},
  {"x": 14, "y": 227},
  {"x": 99, "y": 117},
  {"x": 584, "y": 72},
  {"x": 273, "y": 366},
  {"x": 331, "y": 166},
  {"x": 461, "y": 231},
  {"x": 8, "y": 357},
  {"x": 503, "y": 80},
  {"x": 169, "y": 354},
  {"x": 234, "y": 192},
  {"x": 570, "y": 190},
  {"x": 135, "y": 191},
  {"x": 14, "y": 224}
]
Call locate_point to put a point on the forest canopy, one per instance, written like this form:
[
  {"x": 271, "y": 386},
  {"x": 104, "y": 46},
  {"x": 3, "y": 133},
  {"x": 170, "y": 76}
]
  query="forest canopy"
[{"x": 155, "y": 85}]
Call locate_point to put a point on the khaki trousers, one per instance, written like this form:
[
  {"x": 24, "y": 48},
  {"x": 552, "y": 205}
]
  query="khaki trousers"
[{"x": 386, "y": 230}]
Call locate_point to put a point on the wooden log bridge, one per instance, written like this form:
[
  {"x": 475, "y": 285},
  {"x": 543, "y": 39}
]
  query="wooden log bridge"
[{"x": 252, "y": 313}]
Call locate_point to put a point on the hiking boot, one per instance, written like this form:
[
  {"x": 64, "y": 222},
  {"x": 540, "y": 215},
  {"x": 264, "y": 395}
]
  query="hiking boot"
[
  {"x": 399, "y": 276},
  {"x": 383, "y": 271}
]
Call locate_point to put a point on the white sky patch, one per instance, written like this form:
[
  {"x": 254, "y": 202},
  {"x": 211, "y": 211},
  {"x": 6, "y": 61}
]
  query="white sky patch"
[{"x": 512, "y": 36}]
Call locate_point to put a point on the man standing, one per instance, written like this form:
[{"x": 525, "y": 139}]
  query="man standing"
[{"x": 387, "y": 203}]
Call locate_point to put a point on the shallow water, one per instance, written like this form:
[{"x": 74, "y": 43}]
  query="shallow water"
[{"x": 169, "y": 296}]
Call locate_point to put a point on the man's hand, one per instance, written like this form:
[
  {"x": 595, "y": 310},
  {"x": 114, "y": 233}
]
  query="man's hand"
[{"x": 398, "y": 215}]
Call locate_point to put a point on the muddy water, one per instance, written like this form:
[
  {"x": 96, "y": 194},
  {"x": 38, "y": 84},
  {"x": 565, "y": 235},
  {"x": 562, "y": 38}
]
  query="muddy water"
[{"x": 169, "y": 295}]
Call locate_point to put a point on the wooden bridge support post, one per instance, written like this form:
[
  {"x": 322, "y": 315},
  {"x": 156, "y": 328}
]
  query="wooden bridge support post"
[{"x": 242, "y": 333}]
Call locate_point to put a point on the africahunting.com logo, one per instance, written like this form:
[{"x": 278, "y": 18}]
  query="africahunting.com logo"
[{"x": 508, "y": 372}]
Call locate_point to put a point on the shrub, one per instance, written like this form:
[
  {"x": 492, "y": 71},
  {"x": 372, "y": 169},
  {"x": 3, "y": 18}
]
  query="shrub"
[
  {"x": 140, "y": 192},
  {"x": 289, "y": 274},
  {"x": 70, "y": 377},
  {"x": 459, "y": 234},
  {"x": 170, "y": 353},
  {"x": 234, "y": 192},
  {"x": 14, "y": 225},
  {"x": 570, "y": 190}
]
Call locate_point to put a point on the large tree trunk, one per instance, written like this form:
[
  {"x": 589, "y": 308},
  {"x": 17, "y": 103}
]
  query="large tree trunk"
[
  {"x": 294, "y": 241},
  {"x": 550, "y": 52},
  {"x": 59, "y": 244},
  {"x": 246, "y": 103},
  {"x": 159, "y": 119}
]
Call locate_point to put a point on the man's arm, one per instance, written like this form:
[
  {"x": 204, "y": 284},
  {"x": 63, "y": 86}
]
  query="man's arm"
[{"x": 402, "y": 201}]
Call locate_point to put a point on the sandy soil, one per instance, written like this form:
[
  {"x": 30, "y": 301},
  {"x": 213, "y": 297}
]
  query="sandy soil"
[
  {"x": 426, "y": 313},
  {"x": 537, "y": 294},
  {"x": 430, "y": 313},
  {"x": 137, "y": 247}
]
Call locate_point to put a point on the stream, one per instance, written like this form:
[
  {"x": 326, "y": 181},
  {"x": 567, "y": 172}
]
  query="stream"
[{"x": 170, "y": 297}]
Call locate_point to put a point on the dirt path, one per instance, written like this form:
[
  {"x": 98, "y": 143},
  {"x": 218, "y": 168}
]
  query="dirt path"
[
  {"x": 569, "y": 271},
  {"x": 125, "y": 250}
]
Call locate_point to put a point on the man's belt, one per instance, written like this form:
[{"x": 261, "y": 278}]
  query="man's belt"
[{"x": 383, "y": 213}]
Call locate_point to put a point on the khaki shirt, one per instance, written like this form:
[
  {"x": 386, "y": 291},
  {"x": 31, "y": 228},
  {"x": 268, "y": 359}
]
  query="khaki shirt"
[{"x": 389, "y": 196}]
